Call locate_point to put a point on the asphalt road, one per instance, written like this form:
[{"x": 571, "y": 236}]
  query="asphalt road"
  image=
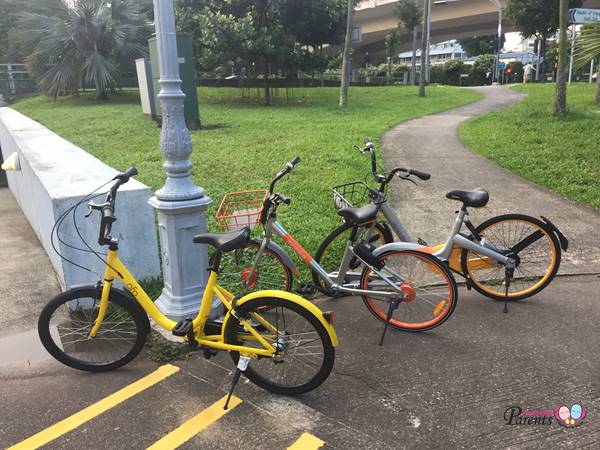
[{"x": 448, "y": 388}]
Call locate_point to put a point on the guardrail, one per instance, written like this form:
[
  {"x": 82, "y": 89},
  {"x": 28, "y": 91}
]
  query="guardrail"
[{"x": 53, "y": 174}]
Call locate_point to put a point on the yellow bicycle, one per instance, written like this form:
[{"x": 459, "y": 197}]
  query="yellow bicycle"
[{"x": 280, "y": 341}]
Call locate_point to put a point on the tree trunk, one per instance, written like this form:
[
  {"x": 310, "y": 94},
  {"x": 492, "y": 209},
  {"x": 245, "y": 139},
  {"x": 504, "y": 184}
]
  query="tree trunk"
[
  {"x": 389, "y": 70},
  {"x": 542, "y": 68},
  {"x": 598, "y": 81},
  {"x": 267, "y": 85},
  {"x": 560, "y": 101},
  {"x": 346, "y": 60},
  {"x": 424, "y": 45},
  {"x": 413, "y": 69}
]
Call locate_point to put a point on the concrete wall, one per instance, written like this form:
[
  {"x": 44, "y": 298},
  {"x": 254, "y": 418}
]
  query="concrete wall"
[{"x": 54, "y": 175}]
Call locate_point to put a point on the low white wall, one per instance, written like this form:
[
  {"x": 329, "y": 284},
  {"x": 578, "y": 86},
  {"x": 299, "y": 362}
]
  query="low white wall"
[{"x": 54, "y": 175}]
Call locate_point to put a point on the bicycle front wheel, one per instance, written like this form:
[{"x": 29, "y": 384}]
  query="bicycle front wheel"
[
  {"x": 66, "y": 321},
  {"x": 305, "y": 353},
  {"x": 235, "y": 273},
  {"x": 330, "y": 252},
  {"x": 535, "y": 246},
  {"x": 429, "y": 292}
]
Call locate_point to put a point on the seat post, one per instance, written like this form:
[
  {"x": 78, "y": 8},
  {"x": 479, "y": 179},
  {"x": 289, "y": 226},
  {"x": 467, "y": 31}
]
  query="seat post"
[{"x": 215, "y": 261}]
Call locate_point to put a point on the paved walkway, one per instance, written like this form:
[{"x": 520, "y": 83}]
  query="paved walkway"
[
  {"x": 27, "y": 278},
  {"x": 431, "y": 143}
]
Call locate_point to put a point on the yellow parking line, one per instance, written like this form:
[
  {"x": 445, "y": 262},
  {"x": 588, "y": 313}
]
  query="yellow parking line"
[
  {"x": 195, "y": 425},
  {"x": 77, "y": 419},
  {"x": 307, "y": 441}
]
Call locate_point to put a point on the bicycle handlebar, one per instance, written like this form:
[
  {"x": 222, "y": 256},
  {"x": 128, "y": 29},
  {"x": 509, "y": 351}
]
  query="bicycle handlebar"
[
  {"x": 107, "y": 209},
  {"x": 283, "y": 172},
  {"x": 369, "y": 147}
]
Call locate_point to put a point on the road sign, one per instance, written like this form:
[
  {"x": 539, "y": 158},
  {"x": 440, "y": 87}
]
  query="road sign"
[{"x": 583, "y": 15}]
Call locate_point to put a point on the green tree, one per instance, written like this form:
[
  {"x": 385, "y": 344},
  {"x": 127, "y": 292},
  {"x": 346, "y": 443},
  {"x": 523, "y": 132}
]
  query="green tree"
[
  {"x": 10, "y": 46},
  {"x": 410, "y": 17},
  {"x": 68, "y": 42},
  {"x": 588, "y": 48},
  {"x": 391, "y": 46},
  {"x": 483, "y": 70},
  {"x": 560, "y": 100},
  {"x": 263, "y": 35},
  {"x": 480, "y": 45},
  {"x": 537, "y": 18}
]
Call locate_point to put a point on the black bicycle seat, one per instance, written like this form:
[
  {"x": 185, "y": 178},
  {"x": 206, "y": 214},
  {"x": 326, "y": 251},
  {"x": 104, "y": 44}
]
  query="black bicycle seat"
[
  {"x": 359, "y": 216},
  {"x": 225, "y": 242},
  {"x": 476, "y": 198}
]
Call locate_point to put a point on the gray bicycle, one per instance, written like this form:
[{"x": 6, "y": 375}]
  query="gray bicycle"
[{"x": 507, "y": 257}]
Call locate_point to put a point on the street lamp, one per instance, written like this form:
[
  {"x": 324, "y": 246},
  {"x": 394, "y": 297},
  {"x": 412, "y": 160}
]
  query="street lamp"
[{"x": 180, "y": 204}]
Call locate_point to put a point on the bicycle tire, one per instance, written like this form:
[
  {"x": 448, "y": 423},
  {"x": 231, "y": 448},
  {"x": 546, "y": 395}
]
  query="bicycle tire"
[
  {"x": 268, "y": 307},
  {"x": 48, "y": 331},
  {"x": 441, "y": 303},
  {"x": 327, "y": 243},
  {"x": 486, "y": 287},
  {"x": 231, "y": 273}
]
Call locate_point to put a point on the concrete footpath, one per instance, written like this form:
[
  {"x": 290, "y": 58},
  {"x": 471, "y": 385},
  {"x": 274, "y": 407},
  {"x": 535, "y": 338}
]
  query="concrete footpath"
[
  {"x": 27, "y": 279},
  {"x": 431, "y": 143}
]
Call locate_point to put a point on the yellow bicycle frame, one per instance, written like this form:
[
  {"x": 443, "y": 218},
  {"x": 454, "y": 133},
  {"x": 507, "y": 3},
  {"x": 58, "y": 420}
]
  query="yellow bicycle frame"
[{"x": 116, "y": 269}]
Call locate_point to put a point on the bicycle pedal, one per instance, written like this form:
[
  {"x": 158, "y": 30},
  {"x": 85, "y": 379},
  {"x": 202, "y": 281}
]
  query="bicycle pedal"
[{"x": 183, "y": 327}]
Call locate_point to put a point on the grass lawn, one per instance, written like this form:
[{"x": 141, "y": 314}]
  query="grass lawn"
[
  {"x": 243, "y": 144},
  {"x": 560, "y": 154}
]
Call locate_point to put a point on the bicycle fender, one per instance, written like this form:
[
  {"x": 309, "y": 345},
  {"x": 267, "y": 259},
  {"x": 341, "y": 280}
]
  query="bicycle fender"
[
  {"x": 119, "y": 293},
  {"x": 310, "y": 307},
  {"x": 398, "y": 246},
  {"x": 287, "y": 260},
  {"x": 564, "y": 242}
]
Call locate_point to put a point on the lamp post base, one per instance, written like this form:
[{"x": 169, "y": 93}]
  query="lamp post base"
[{"x": 182, "y": 260}]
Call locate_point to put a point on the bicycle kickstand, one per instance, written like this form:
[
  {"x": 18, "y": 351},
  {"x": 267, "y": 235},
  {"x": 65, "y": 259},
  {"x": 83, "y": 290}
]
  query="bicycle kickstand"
[
  {"x": 393, "y": 306},
  {"x": 508, "y": 274},
  {"x": 241, "y": 367}
]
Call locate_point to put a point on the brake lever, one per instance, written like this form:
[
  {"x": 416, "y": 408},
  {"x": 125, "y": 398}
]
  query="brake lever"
[
  {"x": 407, "y": 178},
  {"x": 94, "y": 206}
]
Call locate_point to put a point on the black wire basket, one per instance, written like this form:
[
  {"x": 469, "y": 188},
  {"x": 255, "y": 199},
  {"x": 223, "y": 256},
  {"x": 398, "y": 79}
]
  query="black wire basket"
[{"x": 351, "y": 195}]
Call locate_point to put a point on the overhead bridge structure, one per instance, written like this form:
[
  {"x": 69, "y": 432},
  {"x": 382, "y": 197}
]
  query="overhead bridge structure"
[{"x": 450, "y": 19}]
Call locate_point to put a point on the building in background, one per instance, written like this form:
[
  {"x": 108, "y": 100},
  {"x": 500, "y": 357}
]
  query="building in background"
[{"x": 439, "y": 53}]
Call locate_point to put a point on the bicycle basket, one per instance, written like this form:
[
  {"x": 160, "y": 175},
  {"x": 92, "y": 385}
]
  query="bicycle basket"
[
  {"x": 351, "y": 195},
  {"x": 240, "y": 209}
]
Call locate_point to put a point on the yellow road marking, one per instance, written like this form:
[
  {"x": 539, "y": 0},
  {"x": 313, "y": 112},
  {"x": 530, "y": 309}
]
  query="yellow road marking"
[
  {"x": 77, "y": 419},
  {"x": 195, "y": 425},
  {"x": 307, "y": 441}
]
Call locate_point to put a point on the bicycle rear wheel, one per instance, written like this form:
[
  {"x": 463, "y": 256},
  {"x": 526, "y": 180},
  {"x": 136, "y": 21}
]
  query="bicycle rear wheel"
[
  {"x": 66, "y": 321},
  {"x": 535, "y": 246},
  {"x": 305, "y": 353},
  {"x": 429, "y": 290}
]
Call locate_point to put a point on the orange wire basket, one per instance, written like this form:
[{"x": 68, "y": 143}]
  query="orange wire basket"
[{"x": 240, "y": 209}]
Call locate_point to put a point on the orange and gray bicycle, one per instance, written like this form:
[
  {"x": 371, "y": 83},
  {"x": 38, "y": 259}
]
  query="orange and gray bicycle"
[{"x": 408, "y": 289}]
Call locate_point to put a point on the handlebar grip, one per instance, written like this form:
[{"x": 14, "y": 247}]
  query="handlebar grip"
[
  {"x": 421, "y": 175},
  {"x": 131, "y": 172},
  {"x": 295, "y": 161},
  {"x": 125, "y": 176}
]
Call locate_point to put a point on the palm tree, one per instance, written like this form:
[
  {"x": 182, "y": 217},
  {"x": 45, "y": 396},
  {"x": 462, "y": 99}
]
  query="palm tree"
[
  {"x": 588, "y": 48},
  {"x": 410, "y": 16},
  {"x": 73, "y": 40}
]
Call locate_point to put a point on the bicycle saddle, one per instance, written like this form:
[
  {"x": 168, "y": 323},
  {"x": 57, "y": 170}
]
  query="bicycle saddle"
[
  {"x": 365, "y": 214},
  {"x": 476, "y": 198},
  {"x": 225, "y": 242}
]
